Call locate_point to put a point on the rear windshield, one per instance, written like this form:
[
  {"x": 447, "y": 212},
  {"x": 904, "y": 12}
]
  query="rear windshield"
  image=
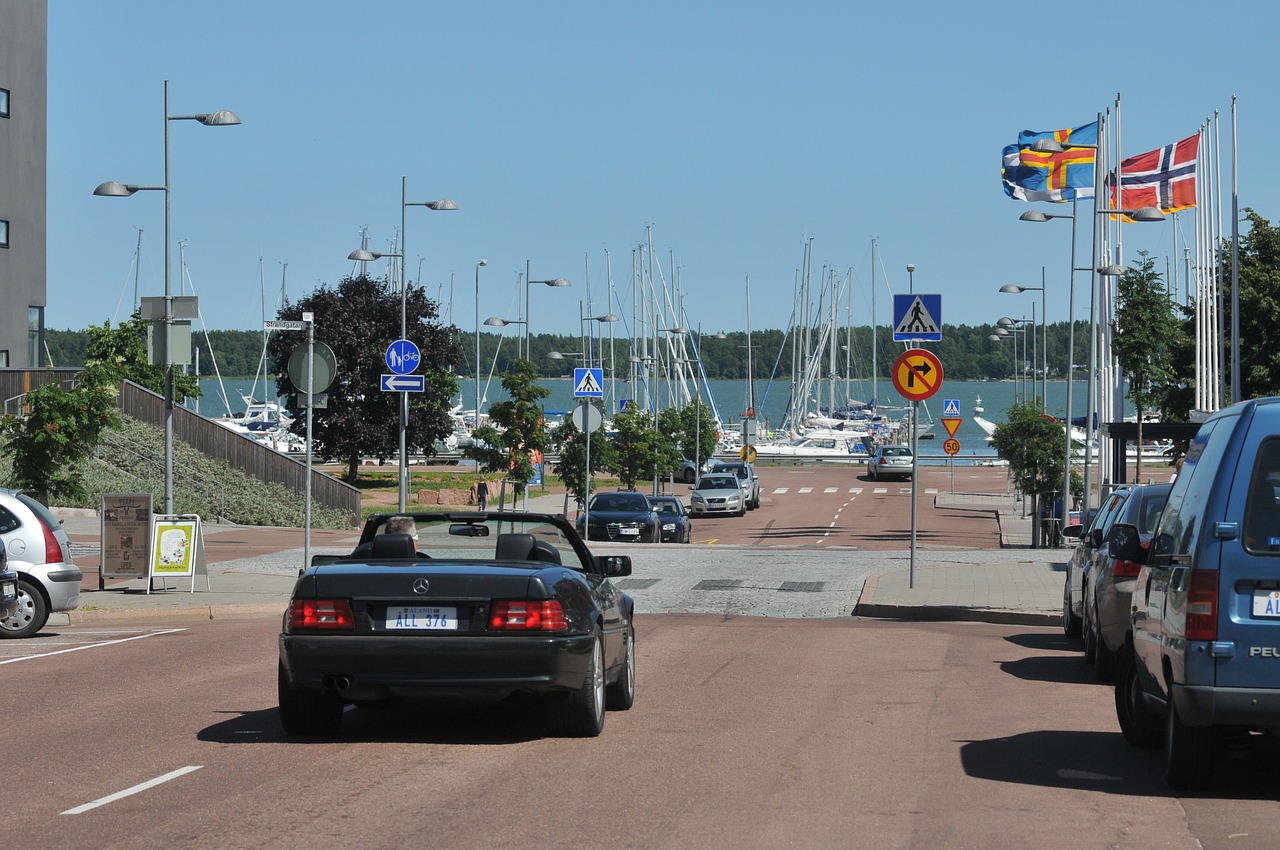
[
  {"x": 1262, "y": 513},
  {"x": 46, "y": 517}
]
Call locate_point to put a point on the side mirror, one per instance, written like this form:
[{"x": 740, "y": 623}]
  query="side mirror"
[
  {"x": 614, "y": 566},
  {"x": 1124, "y": 543},
  {"x": 1073, "y": 532}
]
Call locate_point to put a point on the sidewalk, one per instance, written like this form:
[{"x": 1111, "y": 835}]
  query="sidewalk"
[{"x": 252, "y": 571}]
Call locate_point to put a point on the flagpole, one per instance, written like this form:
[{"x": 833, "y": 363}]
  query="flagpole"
[{"x": 1235, "y": 261}]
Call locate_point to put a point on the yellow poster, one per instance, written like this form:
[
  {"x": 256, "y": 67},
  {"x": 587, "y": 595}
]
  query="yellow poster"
[{"x": 173, "y": 548}]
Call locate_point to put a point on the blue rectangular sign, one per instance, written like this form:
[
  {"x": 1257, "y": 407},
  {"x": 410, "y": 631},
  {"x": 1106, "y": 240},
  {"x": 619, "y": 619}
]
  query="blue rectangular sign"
[
  {"x": 588, "y": 382},
  {"x": 404, "y": 383},
  {"x": 917, "y": 318}
]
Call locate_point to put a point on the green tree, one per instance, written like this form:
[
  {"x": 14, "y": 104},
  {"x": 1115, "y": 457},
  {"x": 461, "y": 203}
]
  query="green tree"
[
  {"x": 50, "y": 445},
  {"x": 520, "y": 432},
  {"x": 638, "y": 449},
  {"x": 571, "y": 447},
  {"x": 121, "y": 355},
  {"x": 359, "y": 319},
  {"x": 1144, "y": 332},
  {"x": 1035, "y": 447},
  {"x": 1259, "y": 277}
]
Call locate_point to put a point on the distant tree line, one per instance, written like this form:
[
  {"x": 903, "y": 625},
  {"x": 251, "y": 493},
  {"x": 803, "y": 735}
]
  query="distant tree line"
[{"x": 966, "y": 352}]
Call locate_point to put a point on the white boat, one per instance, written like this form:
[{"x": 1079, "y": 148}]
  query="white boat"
[
  {"x": 845, "y": 446},
  {"x": 259, "y": 416}
]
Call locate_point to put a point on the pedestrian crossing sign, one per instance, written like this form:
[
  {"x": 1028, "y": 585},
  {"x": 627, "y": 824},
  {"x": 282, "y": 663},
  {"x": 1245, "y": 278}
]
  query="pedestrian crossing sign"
[
  {"x": 588, "y": 382},
  {"x": 951, "y": 407},
  {"x": 917, "y": 318}
]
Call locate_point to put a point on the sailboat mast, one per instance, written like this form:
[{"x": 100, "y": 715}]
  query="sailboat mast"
[
  {"x": 751, "y": 381},
  {"x": 875, "y": 344}
]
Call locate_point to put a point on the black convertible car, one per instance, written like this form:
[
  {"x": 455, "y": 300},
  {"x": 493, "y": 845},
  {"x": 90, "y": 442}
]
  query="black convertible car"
[{"x": 498, "y": 604}]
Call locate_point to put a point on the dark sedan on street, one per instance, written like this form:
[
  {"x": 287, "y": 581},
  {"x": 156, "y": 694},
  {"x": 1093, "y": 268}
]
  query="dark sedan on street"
[
  {"x": 624, "y": 516},
  {"x": 492, "y": 604},
  {"x": 677, "y": 524}
]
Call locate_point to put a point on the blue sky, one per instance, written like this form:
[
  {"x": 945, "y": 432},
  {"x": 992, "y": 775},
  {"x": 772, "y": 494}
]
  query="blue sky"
[{"x": 735, "y": 131}]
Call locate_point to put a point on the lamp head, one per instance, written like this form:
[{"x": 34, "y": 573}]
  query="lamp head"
[
  {"x": 1033, "y": 215},
  {"x": 442, "y": 204},
  {"x": 221, "y": 118},
  {"x": 1011, "y": 287},
  {"x": 112, "y": 189},
  {"x": 362, "y": 254},
  {"x": 483, "y": 263}
]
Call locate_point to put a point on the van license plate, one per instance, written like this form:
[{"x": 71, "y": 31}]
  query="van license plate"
[{"x": 1266, "y": 603}]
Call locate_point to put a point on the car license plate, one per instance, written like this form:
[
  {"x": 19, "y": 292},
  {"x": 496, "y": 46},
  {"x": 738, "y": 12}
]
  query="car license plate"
[
  {"x": 1266, "y": 603},
  {"x": 8, "y": 589},
  {"x": 422, "y": 618},
  {"x": 628, "y": 531}
]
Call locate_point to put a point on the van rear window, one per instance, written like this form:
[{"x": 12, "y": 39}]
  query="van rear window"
[{"x": 1262, "y": 511}]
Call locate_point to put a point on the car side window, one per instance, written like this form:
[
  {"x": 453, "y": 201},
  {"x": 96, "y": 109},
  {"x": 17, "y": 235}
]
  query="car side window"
[
  {"x": 1262, "y": 513},
  {"x": 8, "y": 522},
  {"x": 1178, "y": 529}
]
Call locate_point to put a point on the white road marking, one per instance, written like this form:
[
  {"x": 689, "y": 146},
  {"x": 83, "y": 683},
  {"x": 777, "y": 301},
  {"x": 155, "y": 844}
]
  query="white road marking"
[
  {"x": 857, "y": 491},
  {"x": 879, "y": 490},
  {"x": 806, "y": 490},
  {"x": 129, "y": 792},
  {"x": 837, "y": 489},
  {"x": 933, "y": 491},
  {"x": 91, "y": 646},
  {"x": 781, "y": 490}
]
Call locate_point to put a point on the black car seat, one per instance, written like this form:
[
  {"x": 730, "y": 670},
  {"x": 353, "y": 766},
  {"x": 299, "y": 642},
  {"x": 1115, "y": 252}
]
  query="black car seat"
[{"x": 395, "y": 547}]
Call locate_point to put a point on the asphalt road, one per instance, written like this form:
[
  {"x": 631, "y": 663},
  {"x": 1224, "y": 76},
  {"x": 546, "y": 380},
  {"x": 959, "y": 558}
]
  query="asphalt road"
[{"x": 746, "y": 732}]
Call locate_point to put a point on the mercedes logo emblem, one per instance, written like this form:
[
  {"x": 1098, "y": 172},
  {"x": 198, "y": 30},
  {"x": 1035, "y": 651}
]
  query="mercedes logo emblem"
[{"x": 421, "y": 585}]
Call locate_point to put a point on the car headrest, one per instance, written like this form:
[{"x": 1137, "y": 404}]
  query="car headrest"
[
  {"x": 514, "y": 547},
  {"x": 544, "y": 551},
  {"x": 393, "y": 547}
]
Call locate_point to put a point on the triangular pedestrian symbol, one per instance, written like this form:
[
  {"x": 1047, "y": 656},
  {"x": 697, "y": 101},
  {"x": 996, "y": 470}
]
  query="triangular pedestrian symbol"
[
  {"x": 917, "y": 320},
  {"x": 588, "y": 385}
]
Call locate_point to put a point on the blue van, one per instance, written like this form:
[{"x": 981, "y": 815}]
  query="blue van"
[{"x": 1204, "y": 665}]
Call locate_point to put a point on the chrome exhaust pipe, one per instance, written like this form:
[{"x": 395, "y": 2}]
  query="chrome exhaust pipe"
[{"x": 334, "y": 682}]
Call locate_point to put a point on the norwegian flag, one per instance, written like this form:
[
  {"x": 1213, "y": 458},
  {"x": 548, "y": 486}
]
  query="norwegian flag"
[{"x": 1164, "y": 178}]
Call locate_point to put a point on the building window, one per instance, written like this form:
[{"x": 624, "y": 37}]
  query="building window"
[
  {"x": 4, "y": 103},
  {"x": 35, "y": 335},
  {"x": 4, "y": 233}
]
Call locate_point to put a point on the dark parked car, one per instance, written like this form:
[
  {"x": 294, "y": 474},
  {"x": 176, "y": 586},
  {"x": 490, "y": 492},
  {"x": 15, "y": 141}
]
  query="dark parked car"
[
  {"x": 1078, "y": 566},
  {"x": 8, "y": 585},
  {"x": 497, "y": 604},
  {"x": 621, "y": 516},
  {"x": 1107, "y": 604},
  {"x": 677, "y": 525}
]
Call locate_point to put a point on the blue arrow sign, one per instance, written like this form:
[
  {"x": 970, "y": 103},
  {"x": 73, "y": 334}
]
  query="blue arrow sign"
[
  {"x": 404, "y": 383},
  {"x": 403, "y": 357}
]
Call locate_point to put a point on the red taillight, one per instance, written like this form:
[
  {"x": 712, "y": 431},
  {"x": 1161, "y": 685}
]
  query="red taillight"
[
  {"x": 1202, "y": 605},
  {"x": 52, "y": 548},
  {"x": 324, "y": 615},
  {"x": 527, "y": 615},
  {"x": 1126, "y": 569}
]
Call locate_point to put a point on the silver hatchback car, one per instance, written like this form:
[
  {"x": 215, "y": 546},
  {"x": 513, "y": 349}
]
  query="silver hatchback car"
[
  {"x": 40, "y": 553},
  {"x": 888, "y": 461}
]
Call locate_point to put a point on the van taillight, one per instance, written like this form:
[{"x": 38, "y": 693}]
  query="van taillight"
[
  {"x": 321, "y": 615},
  {"x": 1202, "y": 605},
  {"x": 527, "y": 615}
]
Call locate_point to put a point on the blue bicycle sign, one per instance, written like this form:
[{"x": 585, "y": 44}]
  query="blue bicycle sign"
[{"x": 403, "y": 357}]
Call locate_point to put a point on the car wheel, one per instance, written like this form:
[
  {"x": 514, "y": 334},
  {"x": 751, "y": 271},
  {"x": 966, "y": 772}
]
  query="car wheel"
[
  {"x": 580, "y": 713},
  {"x": 307, "y": 712},
  {"x": 622, "y": 693},
  {"x": 31, "y": 614},
  {"x": 1188, "y": 752},
  {"x": 690, "y": 476},
  {"x": 1070, "y": 622},
  {"x": 871, "y": 473},
  {"x": 1139, "y": 727},
  {"x": 1086, "y": 630},
  {"x": 1104, "y": 660}
]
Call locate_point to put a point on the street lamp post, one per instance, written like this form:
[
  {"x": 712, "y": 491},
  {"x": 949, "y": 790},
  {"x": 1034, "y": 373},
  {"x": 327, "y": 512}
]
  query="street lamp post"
[
  {"x": 112, "y": 189},
  {"x": 476, "y": 423},
  {"x": 556, "y": 281},
  {"x": 1044, "y": 323},
  {"x": 911, "y": 277},
  {"x": 364, "y": 255}
]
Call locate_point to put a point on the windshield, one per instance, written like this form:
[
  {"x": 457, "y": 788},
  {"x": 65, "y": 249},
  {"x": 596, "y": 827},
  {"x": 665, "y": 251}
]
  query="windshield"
[
  {"x": 620, "y": 502},
  {"x": 718, "y": 482}
]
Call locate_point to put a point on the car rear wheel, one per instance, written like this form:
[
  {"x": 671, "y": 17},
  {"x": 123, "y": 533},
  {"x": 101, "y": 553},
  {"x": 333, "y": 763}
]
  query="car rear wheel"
[
  {"x": 690, "y": 476},
  {"x": 622, "y": 693},
  {"x": 1139, "y": 727},
  {"x": 1070, "y": 622},
  {"x": 1104, "y": 660},
  {"x": 580, "y": 713},
  {"x": 30, "y": 616},
  {"x": 307, "y": 712},
  {"x": 1087, "y": 631},
  {"x": 1188, "y": 752}
]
